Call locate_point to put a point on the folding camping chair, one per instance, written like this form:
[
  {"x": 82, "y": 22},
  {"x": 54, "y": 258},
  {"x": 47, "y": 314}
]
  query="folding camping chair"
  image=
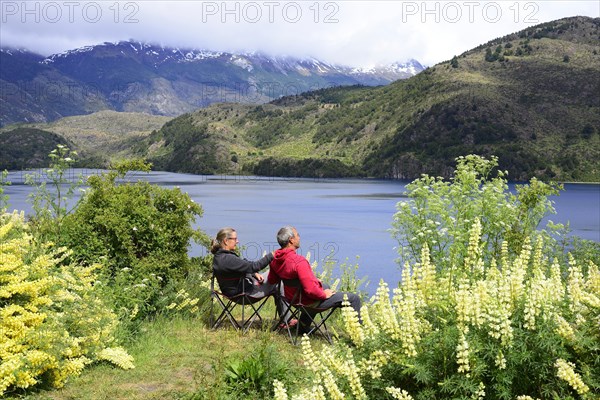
[
  {"x": 229, "y": 303},
  {"x": 295, "y": 307}
]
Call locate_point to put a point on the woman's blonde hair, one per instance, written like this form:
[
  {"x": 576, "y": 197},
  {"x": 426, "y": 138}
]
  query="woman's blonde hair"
[{"x": 219, "y": 241}]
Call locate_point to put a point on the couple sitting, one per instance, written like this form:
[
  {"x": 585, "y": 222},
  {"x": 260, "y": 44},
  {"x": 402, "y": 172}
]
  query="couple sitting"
[{"x": 237, "y": 275}]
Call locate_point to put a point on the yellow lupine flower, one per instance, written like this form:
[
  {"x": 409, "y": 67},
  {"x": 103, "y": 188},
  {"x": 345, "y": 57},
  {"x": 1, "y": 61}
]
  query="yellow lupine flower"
[
  {"x": 535, "y": 299},
  {"x": 117, "y": 356},
  {"x": 351, "y": 323},
  {"x": 316, "y": 392},
  {"x": 409, "y": 326},
  {"x": 329, "y": 360},
  {"x": 566, "y": 371},
  {"x": 462, "y": 354},
  {"x": 309, "y": 356},
  {"x": 44, "y": 302},
  {"x": 500, "y": 361},
  {"x": 593, "y": 279},
  {"x": 398, "y": 394},
  {"x": 279, "y": 389},
  {"x": 480, "y": 392},
  {"x": 384, "y": 313},
  {"x": 369, "y": 328},
  {"x": 564, "y": 329},
  {"x": 373, "y": 364},
  {"x": 331, "y": 386},
  {"x": 575, "y": 283},
  {"x": 351, "y": 373},
  {"x": 473, "y": 262}
]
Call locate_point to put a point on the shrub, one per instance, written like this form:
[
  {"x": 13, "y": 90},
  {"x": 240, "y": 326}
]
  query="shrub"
[
  {"x": 138, "y": 232},
  {"x": 496, "y": 310},
  {"x": 496, "y": 329},
  {"x": 440, "y": 213},
  {"x": 52, "y": 321}
]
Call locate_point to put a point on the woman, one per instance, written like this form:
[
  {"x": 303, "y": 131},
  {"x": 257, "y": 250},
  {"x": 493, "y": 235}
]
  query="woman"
[{"x": 235, "y": 274}]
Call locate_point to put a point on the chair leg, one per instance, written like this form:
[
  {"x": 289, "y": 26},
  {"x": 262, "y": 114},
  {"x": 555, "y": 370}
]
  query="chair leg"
[
  {"x": 317, "y": 323},
  {"x": 228, "y": 305},
  {"x": 255, "y": 313}
]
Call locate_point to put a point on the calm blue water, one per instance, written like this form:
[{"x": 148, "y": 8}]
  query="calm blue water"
[{"x": 341, "y": 218}]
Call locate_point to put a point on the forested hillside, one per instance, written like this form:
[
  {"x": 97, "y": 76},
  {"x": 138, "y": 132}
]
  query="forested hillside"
[{"x": 532, "y": 98}]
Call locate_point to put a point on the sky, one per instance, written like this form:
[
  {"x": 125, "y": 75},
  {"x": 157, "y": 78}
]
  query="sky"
[{"x": 358, "y": 33}]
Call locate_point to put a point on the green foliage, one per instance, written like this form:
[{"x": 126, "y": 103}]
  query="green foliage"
[
  {"x": 3, "y": 197},
  {"x": 53, "y": 320},
  {"x": 440, "y": 213},
  {"x": 24, "y": 148},
  {"x": 347, "y": 276},
  {"x": 454, "y": 62},
  {"x": 186, "y": 146},
  {"x": 52, "y": 205},
  {"x": 252, "y": 375},
  {"x": 495, "y": 56},
  {"x": 138, "y": 232},
  {"x": 304, "y": 168}
]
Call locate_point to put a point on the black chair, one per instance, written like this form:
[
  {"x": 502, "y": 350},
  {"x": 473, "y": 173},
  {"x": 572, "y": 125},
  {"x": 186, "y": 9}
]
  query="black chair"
[
  {"x": 229, "y": 303},
  {"x": 318, "y": 316}
]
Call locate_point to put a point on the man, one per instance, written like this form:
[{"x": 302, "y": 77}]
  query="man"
[{"x": 287, "y": 264}]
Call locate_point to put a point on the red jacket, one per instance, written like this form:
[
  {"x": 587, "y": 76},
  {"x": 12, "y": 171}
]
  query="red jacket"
[{"x": 289, "y": 265}]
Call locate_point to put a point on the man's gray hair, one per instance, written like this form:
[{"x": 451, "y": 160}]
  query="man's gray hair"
[{"x": 284, "y": 235}]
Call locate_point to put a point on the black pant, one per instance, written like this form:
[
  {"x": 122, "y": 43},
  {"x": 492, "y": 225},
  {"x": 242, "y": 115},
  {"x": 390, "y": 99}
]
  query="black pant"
[{"x": 334, "y": 301}]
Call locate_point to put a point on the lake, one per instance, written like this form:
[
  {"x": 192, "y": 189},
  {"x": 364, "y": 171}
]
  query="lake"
[{"x": 339, "y": 218}]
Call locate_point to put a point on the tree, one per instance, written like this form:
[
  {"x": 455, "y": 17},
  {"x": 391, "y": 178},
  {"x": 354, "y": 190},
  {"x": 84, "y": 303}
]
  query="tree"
[{"x": 454, "y": 62}]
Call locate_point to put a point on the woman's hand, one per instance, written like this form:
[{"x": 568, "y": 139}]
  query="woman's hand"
[{"x": 259, "y": 277}]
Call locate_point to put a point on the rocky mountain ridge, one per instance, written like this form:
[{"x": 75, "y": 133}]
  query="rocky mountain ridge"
[{"x": 133, "y": 76}]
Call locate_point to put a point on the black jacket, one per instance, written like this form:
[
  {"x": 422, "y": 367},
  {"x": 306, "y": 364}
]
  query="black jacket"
[{"x": 234, "y": 274}]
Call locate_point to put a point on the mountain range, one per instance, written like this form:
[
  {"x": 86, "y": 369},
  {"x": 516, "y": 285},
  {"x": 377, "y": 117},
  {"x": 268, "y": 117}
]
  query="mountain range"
[
  {"x": 131, "y": 76},
  {"x": 531, "y": 98}
]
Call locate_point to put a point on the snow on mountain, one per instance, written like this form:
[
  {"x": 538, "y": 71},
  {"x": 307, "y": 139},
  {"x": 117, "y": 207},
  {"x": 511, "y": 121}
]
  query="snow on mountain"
[
  {"x": 156, "y": 79},
  {"x": 249, "y": 61}
]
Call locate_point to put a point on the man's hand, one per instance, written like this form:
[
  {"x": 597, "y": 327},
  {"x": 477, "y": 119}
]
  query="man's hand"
[
  {"x": 259, "y": 277},
  {"x": 329, "y": 293}
]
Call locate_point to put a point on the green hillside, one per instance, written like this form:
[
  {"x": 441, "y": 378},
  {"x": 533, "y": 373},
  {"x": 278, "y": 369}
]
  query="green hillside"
[
  {"x": 99, "y": 137},
  {"x": 532, "y": 98},
  {"x": 24, "y": 148}
]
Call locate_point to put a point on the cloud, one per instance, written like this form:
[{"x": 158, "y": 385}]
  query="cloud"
[{"x": 358, "y": 33}]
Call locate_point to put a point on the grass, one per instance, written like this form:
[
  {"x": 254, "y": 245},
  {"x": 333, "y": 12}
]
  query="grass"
[{"x": 176, "y": 358}]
